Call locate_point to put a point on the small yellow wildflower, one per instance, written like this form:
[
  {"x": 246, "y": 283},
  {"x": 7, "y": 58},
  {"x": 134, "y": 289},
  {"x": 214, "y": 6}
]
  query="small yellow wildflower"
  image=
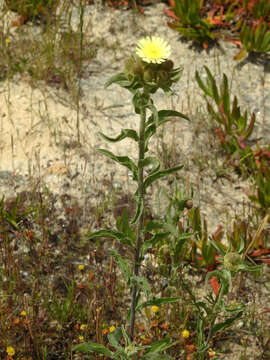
[
  {"x": 153, "y": 50},
  {"x": 23, "y": 313},
  {"x": 8, "y": 41},
  {"x": 211, "y": 353},
  {"x": 80, "y": 267},
  {"x": 112, "y": 329},
  {"x": 10, "y": 351},
  {"x": 155, "y": 309},
  {"x": 81, "y": 338},
  {"x": 83, "y": 327},
  {"x": 185, "y": 334}
]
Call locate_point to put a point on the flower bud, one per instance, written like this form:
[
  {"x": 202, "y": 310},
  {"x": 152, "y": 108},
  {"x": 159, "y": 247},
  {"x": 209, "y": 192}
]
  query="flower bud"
[
  {"x": 148, "y": 75},
  {"x": 162, "y": 77},
  {"x": 134, "y": 67},
  {"x": 167, "y": 65},
  {"x": 231, "y": 261},
  {"x": 189, "y": 204}
]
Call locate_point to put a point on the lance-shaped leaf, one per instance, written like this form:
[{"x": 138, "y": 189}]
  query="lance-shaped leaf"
[
  {"x": 123, "y": 160},
  {"x": 225, "y": 279},
  {"x": 123, "y": 238},
  {"x": 93, "y": 347},
  {"x": 218, "y": 246},
  {"x": 150, "y": 161},
  {"x": 122, "y": 264},
  {"x": 212, "y": 86},
  {"x": 119, "y": 79},
  {"x": 114, "y": 342},
  {"x": 163, "y": 117},
  {"x": 159, "y": 346},
  {"x": 153, "y": 241},
  {"x": 163, "y": 114},
  {"x": 152, "y": 107},
  {"x": 225, "y": 95},
  {"x": 142, "y": 283},
  {"x": 139, "y": 209},
  {"x": 159, "y": 174},
  {"x": 226, "y": 323},
  {"x": 122, "y": 225},
  {"x": 125, "y": 133},
  {"x": 202, "y": 85}
]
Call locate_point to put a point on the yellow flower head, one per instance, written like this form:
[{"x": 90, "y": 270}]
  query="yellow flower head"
[
  {"x": 112, "y": 329},
  {"x": 155, "y": 309},
  {"x": 10, "y": 351},
  {"x": 23, "y": 313},
  {"x": 81, "y": 338},
  {"x": 80, "y": 267},
  {"x": 211, "y": 353},
  {"x": 153, "y": 50},
  {"x": 83, "y": 327},
  {"x": 8, "y": 41},
  {"x": 185, "y": 334}
]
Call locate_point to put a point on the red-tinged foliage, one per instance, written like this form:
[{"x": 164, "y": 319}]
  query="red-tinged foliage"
[
  {"x": 214, "y": 284},
  {"x": 259, "y": 252},
  {"x": 171, "y": 14}
]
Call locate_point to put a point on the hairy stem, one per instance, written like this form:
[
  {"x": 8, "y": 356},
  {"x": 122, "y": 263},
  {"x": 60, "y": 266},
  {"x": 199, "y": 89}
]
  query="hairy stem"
[{"x": 140, "y": 220}]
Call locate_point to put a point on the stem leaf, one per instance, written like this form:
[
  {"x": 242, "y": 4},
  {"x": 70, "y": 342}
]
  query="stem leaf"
[
  {"x": 123, "y": 160},
  {"x": 93, "y": 347},
  {"x": 226, "y": 323},
  {"x": 125, "y": 133},
  {"x": 139, "y": 210},
  {"x": 123, "y": 238},
  {"x": 159, "y": 174},
  {"x": 152, "y": 161}
]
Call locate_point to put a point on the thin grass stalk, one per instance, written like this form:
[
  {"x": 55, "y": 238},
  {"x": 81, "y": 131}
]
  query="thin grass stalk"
[
  {"x": 79, "y": 72},
  {"x": 136, "y": 269}
]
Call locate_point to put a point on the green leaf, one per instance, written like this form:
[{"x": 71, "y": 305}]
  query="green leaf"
[
  {"x": 93, "y": 347},
  {"x": 140, "y": 100},
  {"x": 123, "y": 160},
  {"x": 158, "y": 302},
  {"x": 122, "y": 224},
  {"x": 142, "y": 283},
  {"x": 122, "y": 264},
  {"x": 113, "y": 341},
  {"x": 125, "y": 133},
  {"x": 226, "y": 323},
  {"x": 139, "y": 211},
  {"x": 159, "y": 174},
  {"x": 180, "y": 242},
  {"x": 153, "y": 241},
  {"x": 119, "y": 79},
  {"x": 154, "y": 162},
  {"x": 201, "y": 84},
  {"x": 226, "y": 95},
  {"x": 164, "y": 114},
  {"x": 154, "y": 112},
  {"x": 217, "y": 246},
  {"x": 213, "y": 89},
  {"x": 224, "y": 277},
  {"x": 123, "y": 238},
  {"x": 159, "y": 346}
]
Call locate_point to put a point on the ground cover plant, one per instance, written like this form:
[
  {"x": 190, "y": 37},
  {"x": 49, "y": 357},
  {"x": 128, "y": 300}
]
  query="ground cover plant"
[{"x": 70, "y": 290}]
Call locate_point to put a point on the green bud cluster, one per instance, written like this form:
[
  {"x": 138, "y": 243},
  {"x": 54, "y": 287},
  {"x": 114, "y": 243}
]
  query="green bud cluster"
[
  {"x": 152, "y": 75},
  {"x": 232, "y": 261}
]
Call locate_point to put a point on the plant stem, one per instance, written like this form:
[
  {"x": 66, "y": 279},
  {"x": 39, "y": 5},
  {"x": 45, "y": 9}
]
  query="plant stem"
[{"x": 140, "y": 220}]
